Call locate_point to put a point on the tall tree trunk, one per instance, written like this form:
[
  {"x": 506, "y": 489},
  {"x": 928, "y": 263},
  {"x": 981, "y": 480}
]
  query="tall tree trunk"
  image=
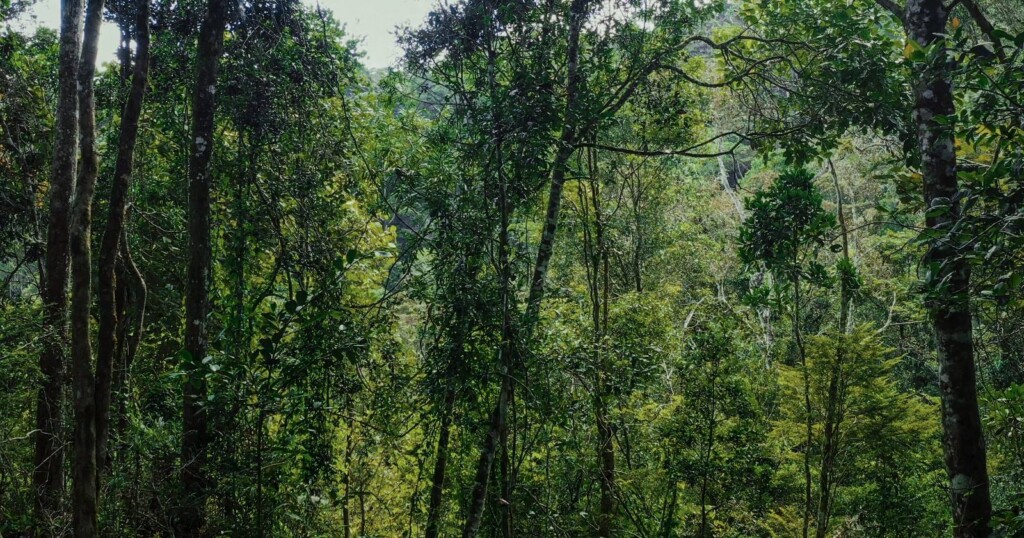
[
  {"x": 195, "y": 434},
  {"x": 497, "y": 431},
  {"x": 346, "y": 479},
  {"x": 596, "y": 253},
  {"x": 131, "y": 319},
  {"x": 565, "y": 149},
  {"x": 113, "y": 231},
  {"x": 709, "y": 448},
  {"x": 433, "y": 528},
  {"x": 948, "y": 301},
  {"x": 48, "y": 477},
  {"x": 468, "y": 272},
  {"x": 834, "y": 407},
  {"x": 483, "y": 468},
  {"x": 809, "y": 438},
  {"x": 84, "y": 494}
]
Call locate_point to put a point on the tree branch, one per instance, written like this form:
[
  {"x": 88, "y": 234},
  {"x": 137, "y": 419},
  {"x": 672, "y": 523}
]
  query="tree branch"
[
  {"x": 893, "y": 8},
  {"x": 985, "y": 26}
]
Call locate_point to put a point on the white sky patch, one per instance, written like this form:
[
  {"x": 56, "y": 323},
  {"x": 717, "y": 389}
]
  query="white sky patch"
[{"x": 373, "y": 22}]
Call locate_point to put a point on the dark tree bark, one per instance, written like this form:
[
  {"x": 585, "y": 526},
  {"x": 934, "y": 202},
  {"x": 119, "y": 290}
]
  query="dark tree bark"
[
  {"x": 110, "y": 246},
  {"x": 948, "y": 302},
  {"x": 131, "y": 308},
  {"x": 48, "y": 477},
  {"x": 483, "y": 468},
  {"x": 433, "y": 527},
  {"x": 809, "y": 438},
  {"x": 195, "y": 434},
  {"x": 84, "y": 493},
  {"x": 596, "y": 256},
  {"x": 460, "y": 328}
]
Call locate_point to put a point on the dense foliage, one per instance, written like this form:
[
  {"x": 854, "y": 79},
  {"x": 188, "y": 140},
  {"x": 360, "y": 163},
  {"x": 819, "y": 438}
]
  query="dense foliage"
[{"x": 574, "y": 268}]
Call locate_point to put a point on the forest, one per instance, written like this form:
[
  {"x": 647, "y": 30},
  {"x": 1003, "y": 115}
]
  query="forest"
[{"x": 568, "y": 268}]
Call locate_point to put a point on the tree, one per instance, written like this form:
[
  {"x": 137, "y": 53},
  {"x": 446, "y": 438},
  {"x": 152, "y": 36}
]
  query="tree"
[
  {"x": 784, "y": 231},
  {"x": 948, "y": 276},
  {"x": 195, "y": 426},
  {"x": 113, "y": 243},
  {"x": 85, "y": 492},
  {"x": 49, "y": 456}
]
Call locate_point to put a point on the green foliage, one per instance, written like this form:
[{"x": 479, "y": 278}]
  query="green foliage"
[
  {"x": 786, "y": 227},
  {"x": 1004, "y": 421},
  {"x": 887, "y": 440},
  {"x": 374, "y": 240}
]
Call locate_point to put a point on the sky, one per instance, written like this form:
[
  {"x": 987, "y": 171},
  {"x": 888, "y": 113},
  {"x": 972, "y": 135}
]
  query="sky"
[{"x": 373, "y": 21}]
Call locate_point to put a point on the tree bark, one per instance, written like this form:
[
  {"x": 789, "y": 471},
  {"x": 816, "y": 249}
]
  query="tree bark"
[
  {"x": 834, "y": 407},
  {"x": 598, "y": 286},
  {"x": 497, "y": 431},
  {"x": 948, "y": 302},
  {"x": 195, "y": 434},
  {"x": 131, "y": 317},
  {"x": 483, "y": 468},
  {"x": 110, "y": 246},
  {"x": 84, "y": 493},
  {"x": 48, "y": 477},
  {"x": 565, "y": 149},
  {"x": 433, "y": 527},
  {"x": 809, "y": 438}
]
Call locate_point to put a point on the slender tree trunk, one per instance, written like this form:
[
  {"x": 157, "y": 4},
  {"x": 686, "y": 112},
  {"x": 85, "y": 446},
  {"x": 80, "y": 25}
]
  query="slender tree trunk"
[
  {"x": 114, "y": 230},
  {"x": 606, "y": 461},
  {"x": 497, "y": 431},
  {"x": 195, "y": 434},
  {"x": 669, "y": 523},
  {"x": 949, "y": 301},
  {"x": 565, "y": 149},
  {"x": 130, "y": 322},
  {"x": 809, "y": 439},
  {"x": 48, "y": 477},
  {"x": 834, "y": 407},
  {"x": 596, "y": 253},
  {"x": 709, "y": 447},
  {"x": 433, "y": 528},
  {"x": 468, "y": 272},
  {"x": 84, "y": 493},
  {"x": 483, "y": 468}
]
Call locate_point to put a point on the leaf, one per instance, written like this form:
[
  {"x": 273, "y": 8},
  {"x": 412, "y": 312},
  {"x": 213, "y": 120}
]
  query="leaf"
[{"x": 913, "y": 51}]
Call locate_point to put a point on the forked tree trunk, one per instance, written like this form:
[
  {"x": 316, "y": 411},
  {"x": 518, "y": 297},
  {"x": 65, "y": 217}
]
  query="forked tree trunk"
[
  {"x": 107, "y": 343},
  {"x": 195, "y": 434},
  {"x": 949, "y": 305},
  {"x": 48, "y": 476},
  {"x": 84, "y": 493}
]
